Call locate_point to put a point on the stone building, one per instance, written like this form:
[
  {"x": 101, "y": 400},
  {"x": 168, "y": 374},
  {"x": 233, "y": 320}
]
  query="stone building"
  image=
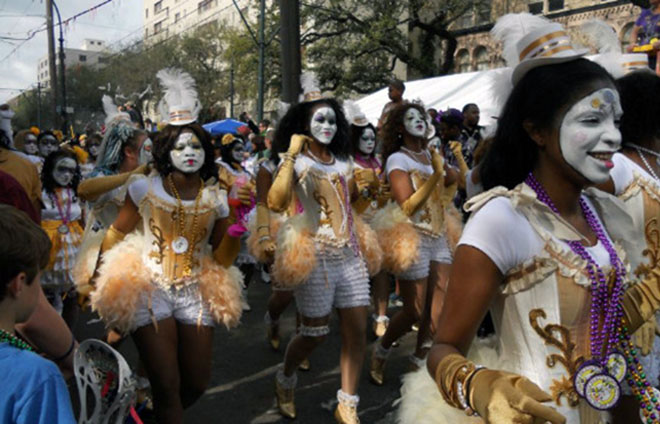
[{"x": 477, "y": 50}]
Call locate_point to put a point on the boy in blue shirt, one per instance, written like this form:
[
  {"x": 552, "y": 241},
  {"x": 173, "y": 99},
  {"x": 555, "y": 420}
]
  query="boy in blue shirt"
[{"x": 32, "y": 388}]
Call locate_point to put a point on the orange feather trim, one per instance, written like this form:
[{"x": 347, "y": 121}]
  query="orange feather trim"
[
  {"x": 397, "y": 237},
  {"x": 221, "y": 290},
  {"x": 369, "y": 246},
  {"x": 122, "y": 280},
  {"x": 254, "y": 247},
  {"x": 295, "y": 257},
  {"x": 453, "y": 226}
]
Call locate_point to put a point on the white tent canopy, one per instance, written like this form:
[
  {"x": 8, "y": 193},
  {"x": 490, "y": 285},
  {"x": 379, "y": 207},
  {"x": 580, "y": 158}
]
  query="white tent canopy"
[{"x": 441, "y": 93}]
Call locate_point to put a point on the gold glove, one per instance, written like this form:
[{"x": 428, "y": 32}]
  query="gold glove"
[
  {"x": 502, "y": 397},
  {"x": 418, "y": 198},
  {"x": 297, "y": 144},
  {"x": 641, "y": 301},
  {"x": 246, "y": 193},
  {"x": 645, "y": 336},
  {"x": 365, "y": 179},
  {"x": 227, "y": 251},
  {"x": 112, "y": 237},
  {"x": 497, "y": 396},
  {"x": 263, "y": 229},
  {"x": 463, "y": 169},
  {"x": 91, "y": 189}
]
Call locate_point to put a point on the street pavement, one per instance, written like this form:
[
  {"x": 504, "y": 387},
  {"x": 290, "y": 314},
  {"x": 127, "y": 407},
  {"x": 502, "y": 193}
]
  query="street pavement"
[{"x": 242, "y": 381}]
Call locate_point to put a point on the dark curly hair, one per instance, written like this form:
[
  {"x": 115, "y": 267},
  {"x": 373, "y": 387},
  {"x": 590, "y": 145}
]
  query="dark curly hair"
[
  {"x": 296, "y": 121},
  {"x": 225, "y": 151},
  {"x": 355, "y": 133},
  {"x": 164, "y": 143},
  {"x": 639, "y": 92},
  {"x": 393, "y": 129},
  {"x": 541, "y": 98},
  {"x": 47, "y": 181}
]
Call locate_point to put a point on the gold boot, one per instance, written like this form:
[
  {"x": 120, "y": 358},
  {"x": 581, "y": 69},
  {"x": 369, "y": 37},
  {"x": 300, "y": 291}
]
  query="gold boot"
[
  {"x": 304, "y": 365},
  {"x": 346, "y": 412},
  {"x": 380, "y": 325},
  {"x": 377, "y": 369},
  {"x": 273, "y": 337},
  {"x": 285, "y": 403}
]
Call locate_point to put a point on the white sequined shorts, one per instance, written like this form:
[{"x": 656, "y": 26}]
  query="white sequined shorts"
[
  {"x": 185, "y": 305},
  {"x": 434, "y": 249},
  {"x": 339, "y": 280}
]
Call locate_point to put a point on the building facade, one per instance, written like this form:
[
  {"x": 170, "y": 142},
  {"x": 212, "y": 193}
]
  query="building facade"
[
  {"x": 92, "y": 53},
  {"x": 477, "y": 51},
  {"x": 166, "y": 18}
]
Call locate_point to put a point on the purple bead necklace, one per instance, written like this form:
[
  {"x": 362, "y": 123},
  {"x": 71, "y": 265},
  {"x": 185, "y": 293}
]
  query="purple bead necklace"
[{"x": 601, "y": 303}]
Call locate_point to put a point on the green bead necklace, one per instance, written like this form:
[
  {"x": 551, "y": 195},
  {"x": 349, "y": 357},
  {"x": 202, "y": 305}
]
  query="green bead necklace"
[{"x": 13, "y": 340}]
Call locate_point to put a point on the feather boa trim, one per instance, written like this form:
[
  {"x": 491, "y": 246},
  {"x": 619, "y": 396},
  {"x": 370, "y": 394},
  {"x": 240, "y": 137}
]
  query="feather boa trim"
[
  {"x": 398, "y": 237},
  {"x": 123, "y": 279},
  {"x": 369, "y": 246},
  {"x": 453, "y": 226},
  {"x": 254, "y": 247},
  {"x": 295, "y": 257},
  {"x": 221, "y": 290}
]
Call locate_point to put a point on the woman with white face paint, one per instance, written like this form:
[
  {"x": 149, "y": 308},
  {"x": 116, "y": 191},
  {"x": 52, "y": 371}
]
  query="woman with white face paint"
[
  {"x": 373, "y": 194},
  {"x": 411, "y": 227},
  {"x": 240, "y": 184},
  {"x": 542, "y": 251},
  {"x": 47, "y": 143},
  {"x": 26, "y": 143},
  {"x": 325, "y": 253},
  {"x": 61, "y": 218},
  {"x": 169, "y": 254}
]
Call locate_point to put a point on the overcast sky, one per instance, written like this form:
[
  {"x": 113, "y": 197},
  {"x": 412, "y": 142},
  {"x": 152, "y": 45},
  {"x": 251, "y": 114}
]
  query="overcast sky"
[{"x": 117, "y": 22}]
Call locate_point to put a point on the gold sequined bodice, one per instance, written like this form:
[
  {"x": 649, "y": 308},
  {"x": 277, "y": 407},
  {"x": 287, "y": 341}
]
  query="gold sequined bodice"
[{"x": 430, "y": 217}]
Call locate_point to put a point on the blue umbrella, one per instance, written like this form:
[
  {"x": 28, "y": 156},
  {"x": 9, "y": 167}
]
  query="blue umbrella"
[{"x": 224, "y": 126}]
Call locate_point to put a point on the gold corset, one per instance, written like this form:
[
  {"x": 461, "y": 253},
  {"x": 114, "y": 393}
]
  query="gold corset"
[
  {"x": 161, "y": 229},
  {"x": 323, "y": 197},
  {"x": 430, "y": 217}
]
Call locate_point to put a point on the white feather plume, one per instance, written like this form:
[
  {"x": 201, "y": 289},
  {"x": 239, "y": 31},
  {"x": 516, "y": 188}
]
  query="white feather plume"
[
  {"x": 282, "y": 109},
  {"x": 309, "y": 82},
  {"x": 179, "y": 88},
  {"x": 511, "y": 28},
  {"x": 602, "y": 36},
  {"x": 500, "y": 85},
  {"x": 112, "y": 113},
  {"x": 352, "y": 110}
]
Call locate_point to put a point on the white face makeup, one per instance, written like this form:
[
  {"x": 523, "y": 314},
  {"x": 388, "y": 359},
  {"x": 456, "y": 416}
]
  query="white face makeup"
[
  {"x": 323, "y": 126},
  {"x": 367, "y": 141},
  {"x": 47, "y": 145},
  {"x": 145, "y": 152},
  {"x": 414, "y": 123},
  {"x": 30, "y": 145},
  {"x": 64, "y": 171},
  {"x": 238, "y": 152},
  {"x": 589, "y": 134},
  {"x": 187, "y": 155}
]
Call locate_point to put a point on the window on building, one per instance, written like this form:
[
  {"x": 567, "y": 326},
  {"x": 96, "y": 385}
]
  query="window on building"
[
  {"x": 463, "y": 61},
  {"x": 158, "y": 27},
  {"x": 483, "y": 13},
  {"x": 204, "y": 5},
  {"x": 146, "y": 33},
  {"x": 466, "y": 20},
  {"x": 103, "y": 59},
  {"x": 177, "y": 16},
  {"x": 625, "y": 35},
  {"x": 535, "y": 7},
  {"x": 146, "y": 13},
  {"x": 555, "y": 5},
  {"x": 481, "y": 62},
  {"x": 82, "y": 58},
  {"x": 158, "y": 6}
]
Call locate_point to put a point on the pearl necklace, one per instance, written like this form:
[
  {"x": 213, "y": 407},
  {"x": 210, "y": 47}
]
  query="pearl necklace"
[
  {"x": 415, "y": 154},
  {"x": 317, "y": 159},
  {"x": 646, "y": 163}
]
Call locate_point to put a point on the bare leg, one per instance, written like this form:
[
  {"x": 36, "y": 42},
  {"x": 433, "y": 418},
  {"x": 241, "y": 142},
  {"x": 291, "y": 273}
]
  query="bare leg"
[
  {"x": 413, "y": 294},
  {"x": 301, "y": 346},
  {"x": 277, "y": 303},
  {"x": 247, "y": 270},
  {"x": 195, "y": 350},
  {"x": 440, "y": 281},
  {"x": 380, "y": 286},
  {"x": 353, "y": 322},
  {"x": 158, "y": 350}
]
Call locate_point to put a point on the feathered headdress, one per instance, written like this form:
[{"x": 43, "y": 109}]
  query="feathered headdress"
[
  {"x": 118, "y": 130},
  {"x": 310, "y": 87},
  {"x": 112, "y": 113},
  {"x": 354, "y": 114},
  {"x": 530, "y": 41},
  {"x": 180, "y": 104},
  {"x": 610, "y": 56}
]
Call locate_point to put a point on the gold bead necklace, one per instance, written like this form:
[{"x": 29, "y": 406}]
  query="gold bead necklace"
[{"x": 181, "y": 222}]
